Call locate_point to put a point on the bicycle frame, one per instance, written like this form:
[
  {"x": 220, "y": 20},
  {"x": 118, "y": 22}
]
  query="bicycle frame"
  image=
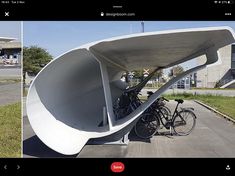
[
  {"x": 176, "y": 112},
  {"x": 134, "y": 104}
]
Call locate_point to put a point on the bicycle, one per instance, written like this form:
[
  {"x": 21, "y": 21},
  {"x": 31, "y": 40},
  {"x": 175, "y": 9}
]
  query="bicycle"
[
  {"x": 126, "y": 103},
  {"x": 148, "y": 123},
  {"x": 160, "y": 103},
  {"x": 182, "y": 122}
]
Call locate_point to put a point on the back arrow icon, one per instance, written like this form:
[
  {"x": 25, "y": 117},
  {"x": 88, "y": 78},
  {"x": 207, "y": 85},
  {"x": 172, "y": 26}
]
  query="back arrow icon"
[{"x": 5, "y": 167}]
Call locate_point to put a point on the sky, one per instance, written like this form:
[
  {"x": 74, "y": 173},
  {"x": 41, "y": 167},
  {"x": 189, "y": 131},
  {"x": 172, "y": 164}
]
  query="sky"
[
  {"x": 58, "y": 37},
  {"x": 11, "y": 29}
]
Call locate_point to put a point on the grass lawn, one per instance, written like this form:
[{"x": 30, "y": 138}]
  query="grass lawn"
[
  {"x": 10, "y": 130},
  {"x": 223, "y": 104}
]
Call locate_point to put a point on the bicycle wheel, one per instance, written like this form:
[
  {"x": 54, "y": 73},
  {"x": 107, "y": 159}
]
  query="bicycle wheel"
[
  {"x": 184, "y": 122},
  {"x": 166, "y": 111},
  {"x": 165, "y": 114},
  {"x": 147, "y": 126}
]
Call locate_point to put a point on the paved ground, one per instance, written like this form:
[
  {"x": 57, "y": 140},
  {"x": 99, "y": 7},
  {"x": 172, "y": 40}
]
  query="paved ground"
[
  {"x": 10, "y": 72},
  {"x": 213, "y": 137},
  {"x": 10, "y": 93}
]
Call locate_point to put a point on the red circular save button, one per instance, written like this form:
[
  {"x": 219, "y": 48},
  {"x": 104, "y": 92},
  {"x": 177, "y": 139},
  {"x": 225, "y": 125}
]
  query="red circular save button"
[{"x": 117, "y": 167}]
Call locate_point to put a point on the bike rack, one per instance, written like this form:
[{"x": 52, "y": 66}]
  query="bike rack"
[{"x": 124, "y": 140}]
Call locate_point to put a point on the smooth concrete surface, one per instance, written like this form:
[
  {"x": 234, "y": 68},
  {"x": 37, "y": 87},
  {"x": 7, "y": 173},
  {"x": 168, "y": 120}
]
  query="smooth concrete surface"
[
  {"x": 10, "y": 93},
  {"x": 10, "y": 72},
  {"x": 209, "y": 76},
  {"x": 213, "y": 136}
]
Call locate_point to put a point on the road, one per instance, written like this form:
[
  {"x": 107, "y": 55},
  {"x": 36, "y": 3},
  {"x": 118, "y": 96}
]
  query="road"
[
  {"x": 10, "y": 93},
  {"x": 10, "y": 72},
  {"x": 213, "y": 137}
]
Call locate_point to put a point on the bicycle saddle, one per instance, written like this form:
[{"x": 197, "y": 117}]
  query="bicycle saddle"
[
  {"x": 179, "y": 101},
  {"x": 149, "y": 92}
]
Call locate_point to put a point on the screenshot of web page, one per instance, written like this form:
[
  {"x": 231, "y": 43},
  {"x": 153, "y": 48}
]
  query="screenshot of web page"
[{"x": 117, "y": 87}]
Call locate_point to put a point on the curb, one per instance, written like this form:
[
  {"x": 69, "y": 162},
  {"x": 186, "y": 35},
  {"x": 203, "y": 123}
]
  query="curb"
[{"x": 214, "y": 110}]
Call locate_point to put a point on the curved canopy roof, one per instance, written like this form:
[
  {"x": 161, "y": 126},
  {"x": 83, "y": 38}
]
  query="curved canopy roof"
[
  {"x": 6, "y": 39},
  {"x": 66, "y": 100},
  {"x": 161, "y": 49}
]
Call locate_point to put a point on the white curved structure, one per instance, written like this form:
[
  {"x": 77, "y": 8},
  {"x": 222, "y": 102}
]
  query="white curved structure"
[
  {"x": 6, "y": 39},
  {"x": 230, "y": 84},
  {"x": 66, "y": 100}
]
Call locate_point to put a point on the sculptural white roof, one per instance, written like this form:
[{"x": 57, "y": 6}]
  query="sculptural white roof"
[
  {"x": 6, "y": 39},
  {"x": 66, "y": 100},
  {"x": 161, "y": 49}
]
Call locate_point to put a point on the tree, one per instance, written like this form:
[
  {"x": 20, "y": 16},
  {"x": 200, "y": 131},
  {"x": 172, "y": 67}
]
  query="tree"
[
  {"x": 34, "y": 59},
  {"x": 138, "y": 73},
  {"x": 176, "y": 70},
  {"x": 158, "y": 74}
]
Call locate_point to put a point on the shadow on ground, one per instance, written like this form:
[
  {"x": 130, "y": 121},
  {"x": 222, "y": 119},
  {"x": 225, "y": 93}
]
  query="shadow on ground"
[
  {"x": 34, "y": 147},
  {"x": 132, "y": 137}
]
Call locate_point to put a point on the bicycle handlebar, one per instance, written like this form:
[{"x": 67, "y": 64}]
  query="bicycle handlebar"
[{"x": 165, "y": 99}]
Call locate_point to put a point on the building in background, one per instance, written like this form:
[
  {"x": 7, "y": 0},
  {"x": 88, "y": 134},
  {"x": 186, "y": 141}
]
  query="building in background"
[
  {"x": 10, "y": 53},
  {"x": 218, "y": 75}
]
